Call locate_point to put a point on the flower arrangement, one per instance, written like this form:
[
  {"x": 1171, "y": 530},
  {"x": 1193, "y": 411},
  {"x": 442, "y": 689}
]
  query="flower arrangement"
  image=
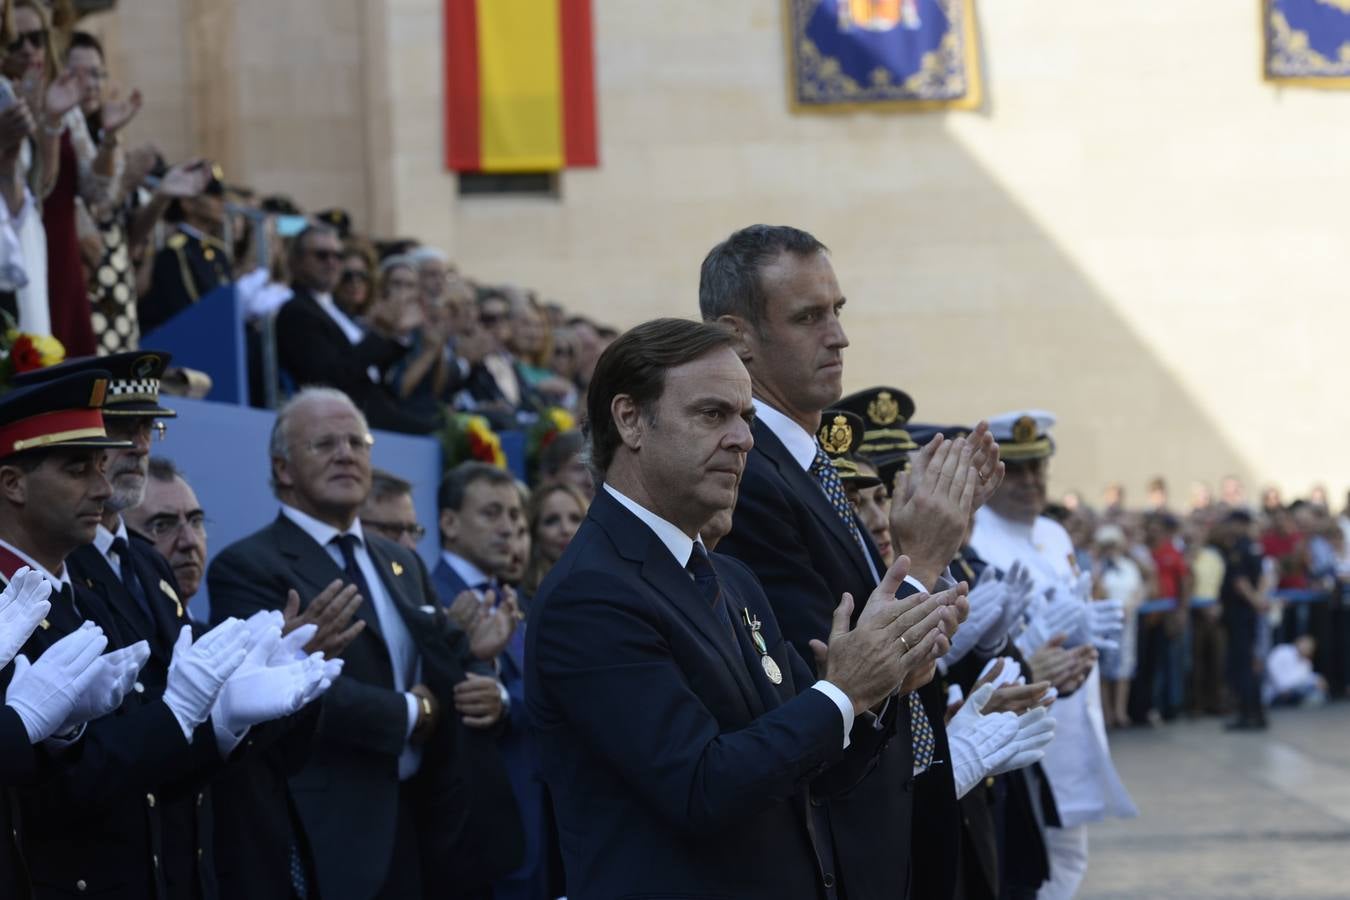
[
  {"x": 24, "y": 352},
  {"x": 467, "y": 436},
  {"x": 552, "y": 422}
]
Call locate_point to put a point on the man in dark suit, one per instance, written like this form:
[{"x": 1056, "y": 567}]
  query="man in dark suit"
[
  {"x": 678, "y": 734},
  {"x": 775, "y": 288},
  {"x": 319, "y": 344},
  {"x": 383, "y": 756}
]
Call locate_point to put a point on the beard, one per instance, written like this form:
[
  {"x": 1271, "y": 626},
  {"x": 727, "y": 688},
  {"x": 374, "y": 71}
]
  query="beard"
[{"x": 127, "y": 493}]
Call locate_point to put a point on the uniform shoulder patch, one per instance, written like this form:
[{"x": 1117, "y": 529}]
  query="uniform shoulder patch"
[{"x": 177, "y": 241}]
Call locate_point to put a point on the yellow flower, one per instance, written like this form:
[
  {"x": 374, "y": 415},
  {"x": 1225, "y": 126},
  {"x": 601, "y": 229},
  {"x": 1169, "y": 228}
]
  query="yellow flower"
[
  {"x": 561, "y": 418},
  {"x": 50, "y": 348}
]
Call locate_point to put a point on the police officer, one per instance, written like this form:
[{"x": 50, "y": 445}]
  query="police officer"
[
  {"x": 193, "y": 261},
  {"x": 1242, "y": 604}
]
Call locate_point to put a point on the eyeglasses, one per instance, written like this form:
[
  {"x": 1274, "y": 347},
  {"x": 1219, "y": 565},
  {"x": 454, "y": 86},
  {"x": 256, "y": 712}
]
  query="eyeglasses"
[
  {"x": 131, "y": 429},
  {"x": 490, "y": 319},
  {"x": 325, "y": 255},
  {"x": 162, "y": 526},
  {"x": 395, "y": 530},
  {"x": 37, "y": 39},
  {"x": 358, "y": 444},
  {"x": 355, "y": 275}
]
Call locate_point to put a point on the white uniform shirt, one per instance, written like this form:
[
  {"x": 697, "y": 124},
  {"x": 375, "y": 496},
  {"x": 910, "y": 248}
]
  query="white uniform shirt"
[{"x": 1078, "y": 761}]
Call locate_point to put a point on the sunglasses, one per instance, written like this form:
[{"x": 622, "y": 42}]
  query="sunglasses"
[
  {"x": 326, "y": 255},
  {"x": 355, "y": 275},
  {"x": 37, "y": 39}
]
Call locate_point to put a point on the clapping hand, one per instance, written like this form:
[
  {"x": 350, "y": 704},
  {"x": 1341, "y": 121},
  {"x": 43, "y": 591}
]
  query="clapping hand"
[
  {"x": 489, "y": 626},
  {"x": 117, "y": 112},
  {"x": 23, "y": 605},
  {"x": 112, "y": 675},
  {"x": 932, "y": 506},
  {"x": 187, "y": 179},
  {"x": 331, "y": 613},
  {"x": 478, "y": 699},
  {"x": 1065, "y": 669},
  {"x": 199, "y": 669},
  {"x": 45, "y": 693},
  {"x": 16, "y": 124},
  {"x": 61, "y": 96}
]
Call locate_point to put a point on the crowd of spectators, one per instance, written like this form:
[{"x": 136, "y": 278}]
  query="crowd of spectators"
[
  {"x": 100, "y": 244},
  {"x": 1177, "y": 572}
]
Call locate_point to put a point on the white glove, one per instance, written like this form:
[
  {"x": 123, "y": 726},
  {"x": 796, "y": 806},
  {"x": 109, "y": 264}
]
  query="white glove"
[
  {"x": 1050, "y": 617},
  {"x": 44, "y": 693},
  {"x": 1020, "y": 590},
  {"x": 199, "y": 670},
  {"x": 1106, "y": 623},
  {"x": 1011, "y": 673},
  {"x": 1035, "y": 730},
  {"x": 1082, "y": 587},
  {"x": 108, "y": 686},
  {"x": 292, "y": 646},
  {"x": 23, "y": 604},
  {"x": 257, "y": 694},
  {"x": 974, "y": 738},
  {"x": 986, "y": 608}
]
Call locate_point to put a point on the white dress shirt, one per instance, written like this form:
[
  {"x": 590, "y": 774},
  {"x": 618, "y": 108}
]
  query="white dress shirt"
[
  {"x": 681, "y": 546},
  {"x": 472, "y": 576},
  {"x": 103, "y": 541},
  {"x": 355, "y": 333},
  {"x": 403, "y": 655}
]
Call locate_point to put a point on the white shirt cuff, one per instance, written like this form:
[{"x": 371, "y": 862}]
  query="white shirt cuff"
[
  {"x": 840, "y": 700},
  {"x": 506, "y": 698},
  {"x": 413, "y": 708}
]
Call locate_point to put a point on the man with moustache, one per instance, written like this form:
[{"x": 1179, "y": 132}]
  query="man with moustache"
[
  {"x": 774, "y": 287},
  {"x": 679, "y": 734},
  {"x": 173, "y": 520}
]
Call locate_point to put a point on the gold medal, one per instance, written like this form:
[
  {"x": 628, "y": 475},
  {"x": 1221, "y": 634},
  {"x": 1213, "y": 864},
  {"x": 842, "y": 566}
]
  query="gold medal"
[{"x": 771, "y": 669}]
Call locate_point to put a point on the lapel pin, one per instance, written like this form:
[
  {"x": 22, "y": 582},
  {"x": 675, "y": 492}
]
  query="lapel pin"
[{"x": 398, "y": 569}]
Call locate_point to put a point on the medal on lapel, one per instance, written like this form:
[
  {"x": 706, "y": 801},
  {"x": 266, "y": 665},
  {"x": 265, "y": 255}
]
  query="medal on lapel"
[{"x": 771, "y": 669}]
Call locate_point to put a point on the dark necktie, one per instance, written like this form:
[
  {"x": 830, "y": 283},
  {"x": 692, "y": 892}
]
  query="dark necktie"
[
  {"x": 921, "y": 730},
  {"x": 347, "y": 544},
  {"x": 129, "y": 579},
  {"x": 705, "y": 578}
]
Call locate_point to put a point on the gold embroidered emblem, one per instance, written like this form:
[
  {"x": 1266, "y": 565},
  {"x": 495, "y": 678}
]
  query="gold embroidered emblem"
[
  {"x": 883, "y": 410},
  {"x": 1024, "y": 430},
  {"x": 398, "y": 569},
  {"x": 837, "y": 436}
]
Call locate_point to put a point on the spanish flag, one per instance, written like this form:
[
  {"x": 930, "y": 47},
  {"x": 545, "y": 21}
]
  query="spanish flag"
[{"x": 519, "y": 85}]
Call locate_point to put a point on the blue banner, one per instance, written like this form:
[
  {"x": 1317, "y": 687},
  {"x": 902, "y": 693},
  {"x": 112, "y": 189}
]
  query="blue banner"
[
  {"x": 1307, "y": 42},
  {"x": 915, "y": 54}
]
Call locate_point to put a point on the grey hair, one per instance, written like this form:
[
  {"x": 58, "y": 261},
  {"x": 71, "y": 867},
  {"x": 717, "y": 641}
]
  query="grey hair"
[
  {"x": 278, "y": 445},
  {"x": 398, "y": 261},
  {"x": 427, "y": 254}
]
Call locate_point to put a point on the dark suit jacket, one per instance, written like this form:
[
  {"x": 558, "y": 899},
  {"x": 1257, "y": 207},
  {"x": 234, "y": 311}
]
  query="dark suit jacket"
[
  {"x": 186, "y": 269},
  {"x": 99, "y": 814},
  {"x": 352, "y": 773},
  {"x": 787, "y": 533},
  {"x": 313, "y": 350},
  {"x": 676, "y": 767}
]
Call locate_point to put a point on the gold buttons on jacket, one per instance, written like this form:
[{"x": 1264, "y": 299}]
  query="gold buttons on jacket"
[
  {"x": 81, "y": 885},
  {"x": 150, "y": 800}
]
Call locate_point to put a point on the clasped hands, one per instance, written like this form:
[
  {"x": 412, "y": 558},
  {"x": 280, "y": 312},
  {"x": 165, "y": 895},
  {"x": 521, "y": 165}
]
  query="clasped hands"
[{"x": 893, "y": 640}]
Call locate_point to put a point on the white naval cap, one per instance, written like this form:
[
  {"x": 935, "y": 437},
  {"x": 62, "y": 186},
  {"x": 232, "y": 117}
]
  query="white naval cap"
[{"x": 1023, "y": 434}]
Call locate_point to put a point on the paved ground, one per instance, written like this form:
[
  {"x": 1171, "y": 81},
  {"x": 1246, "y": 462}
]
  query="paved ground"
[{"x": 1231, "y": 815}]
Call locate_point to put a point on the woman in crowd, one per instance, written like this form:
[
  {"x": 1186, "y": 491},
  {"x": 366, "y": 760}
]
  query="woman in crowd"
[
  {"x": 560, "y": 462},
  {"x": 353, "y": 293},
  {"x": 554, "y": 514},
  {"x": 1117, "y": 577}
]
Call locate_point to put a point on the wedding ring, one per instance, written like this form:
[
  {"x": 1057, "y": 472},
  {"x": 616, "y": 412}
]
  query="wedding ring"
[{"x": 905, "y": 642}]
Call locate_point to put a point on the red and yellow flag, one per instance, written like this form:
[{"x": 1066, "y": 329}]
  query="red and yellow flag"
[{"x": 519, "y": 85}]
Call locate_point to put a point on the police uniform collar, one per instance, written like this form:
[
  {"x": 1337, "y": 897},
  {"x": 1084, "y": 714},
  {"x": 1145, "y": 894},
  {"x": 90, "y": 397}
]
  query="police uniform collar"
[
  {"x": 103, "y": 538},
  {"x": 17, "y": 559}
]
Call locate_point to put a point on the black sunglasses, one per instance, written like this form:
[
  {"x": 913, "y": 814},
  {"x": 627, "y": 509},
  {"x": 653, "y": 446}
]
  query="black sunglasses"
[
  {"x": 37, "y": 39},
  {"x": 355, "y": 275}
]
